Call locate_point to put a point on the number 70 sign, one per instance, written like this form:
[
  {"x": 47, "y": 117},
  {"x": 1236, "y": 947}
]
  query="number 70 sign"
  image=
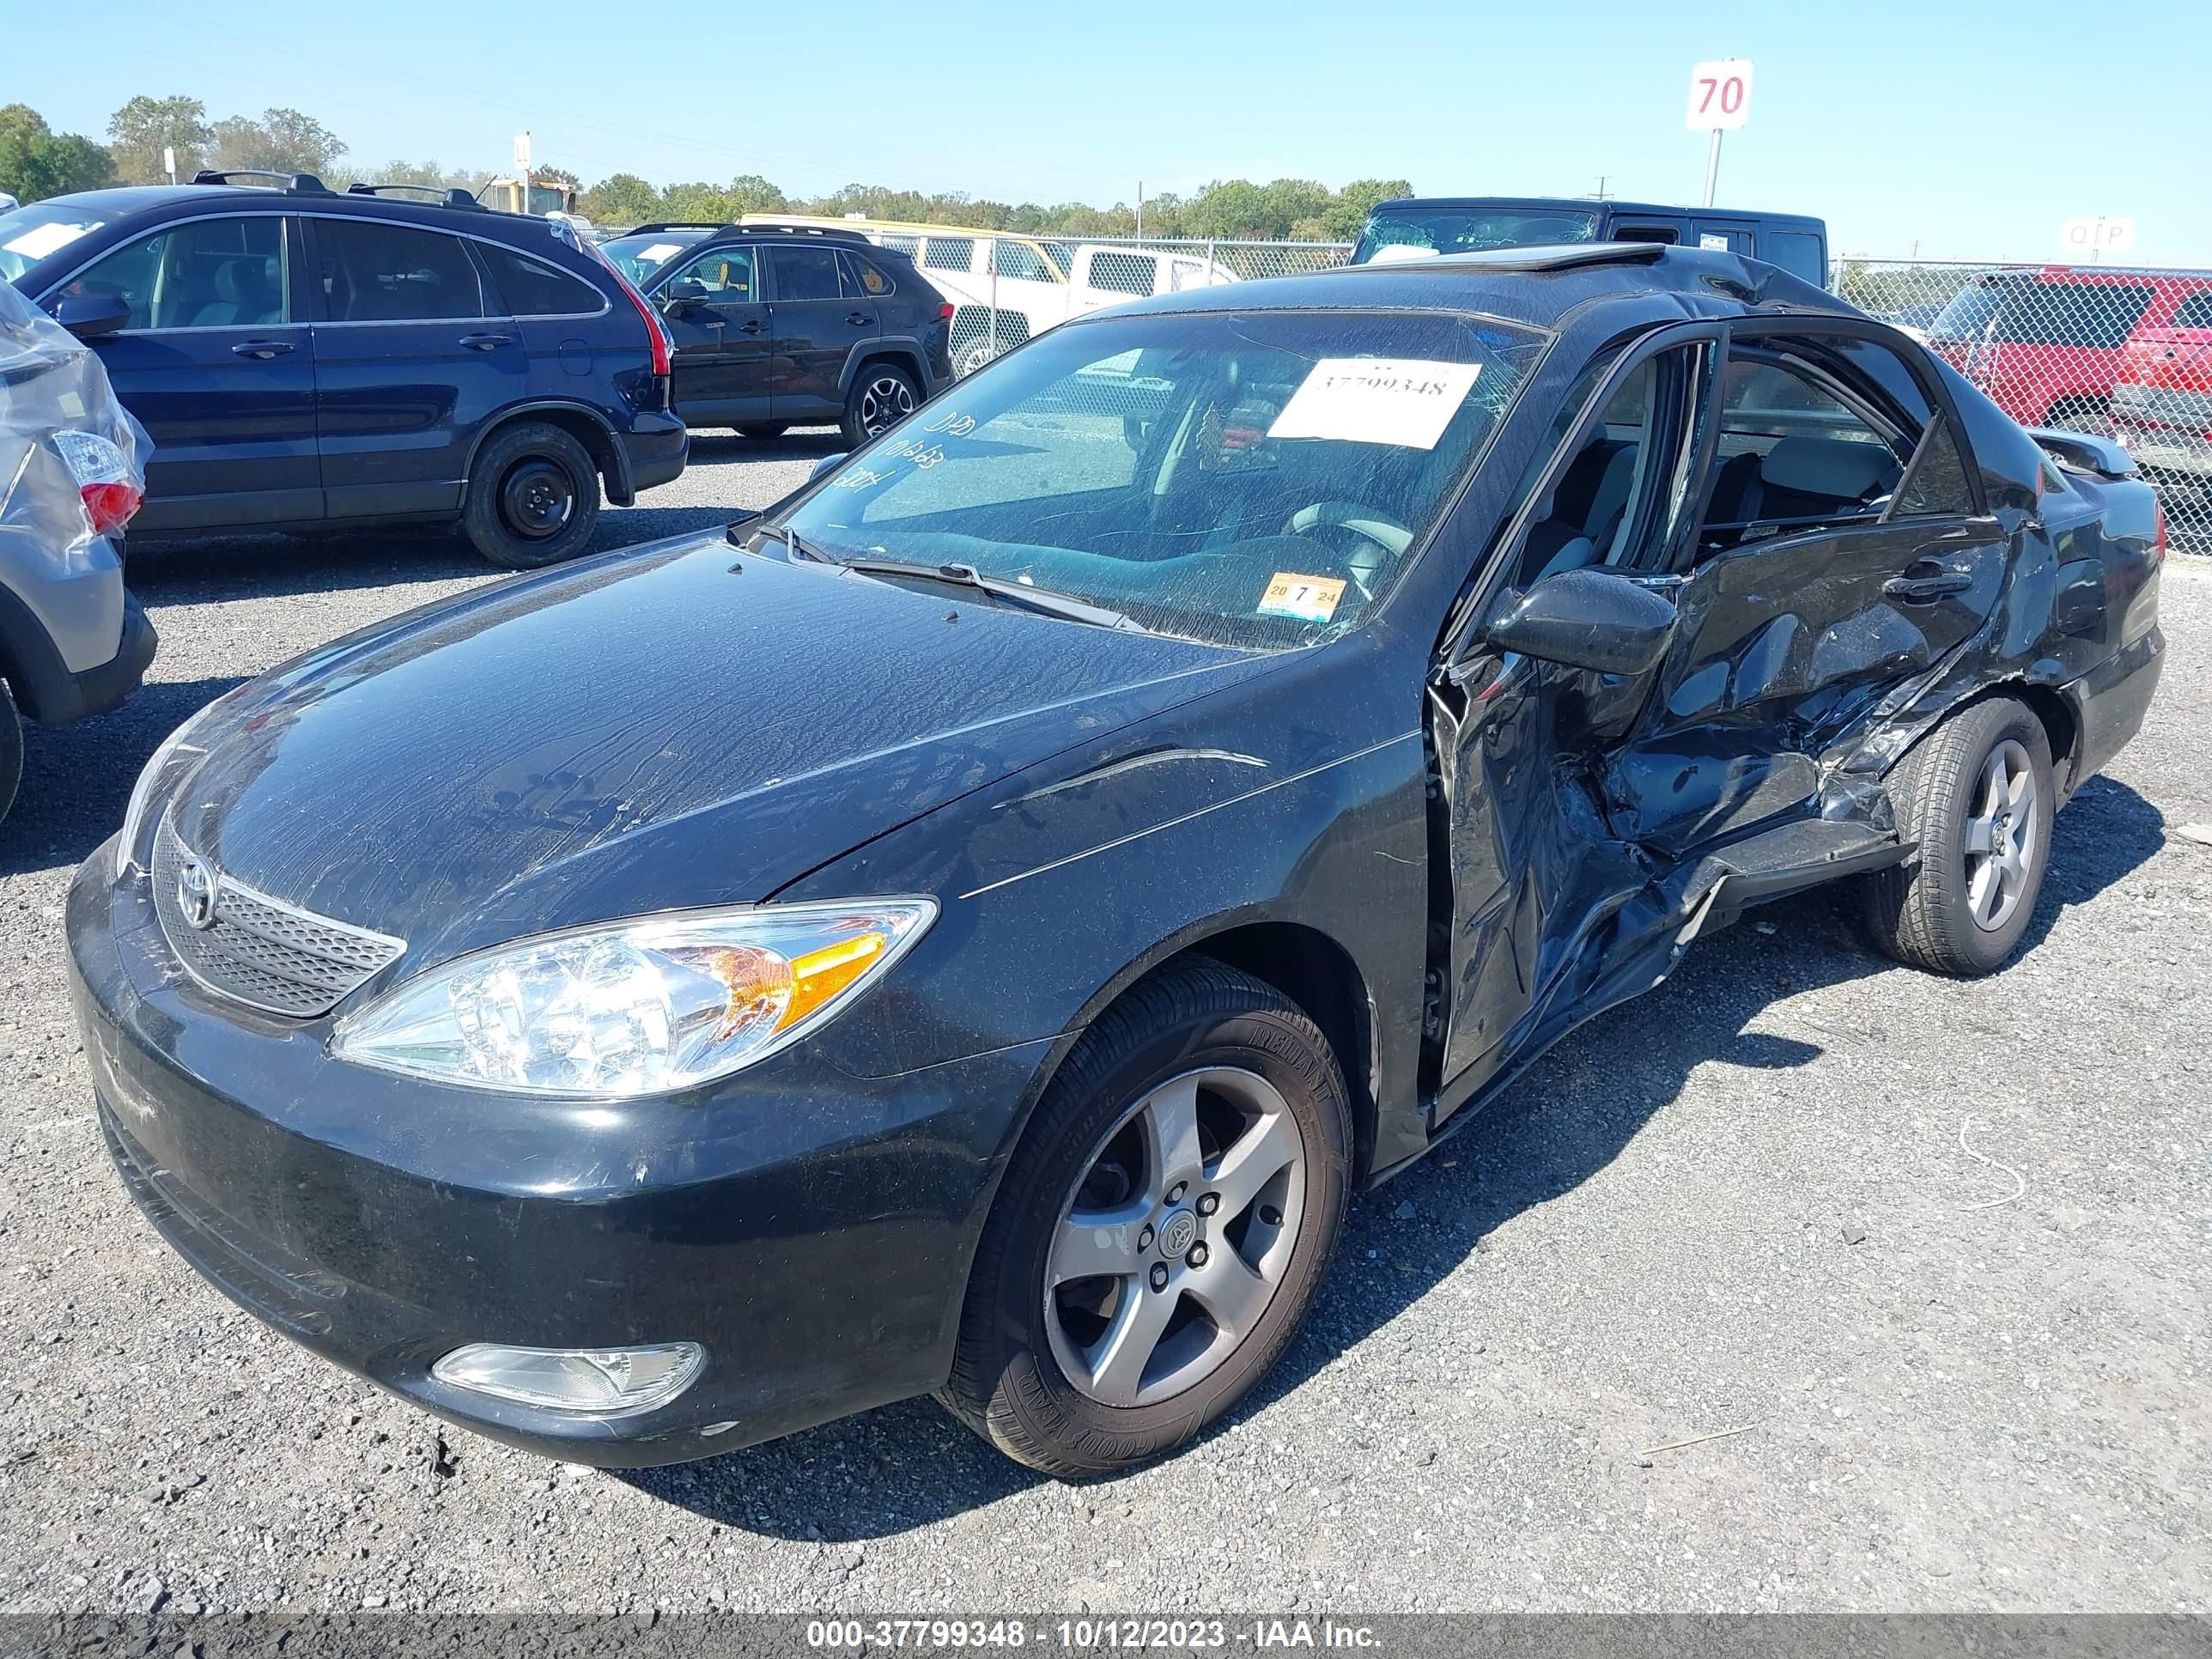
[{"x": 1720, "y": 95}]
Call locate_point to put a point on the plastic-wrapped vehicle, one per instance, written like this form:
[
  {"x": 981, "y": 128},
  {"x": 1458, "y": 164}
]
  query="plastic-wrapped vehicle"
[{"x": 73, "y": 642}]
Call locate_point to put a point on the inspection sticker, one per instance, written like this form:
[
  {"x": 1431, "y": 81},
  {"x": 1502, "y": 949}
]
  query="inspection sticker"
[
  {"x": 1406, "y": 401},
  {"x": 1309, "y": 598}
]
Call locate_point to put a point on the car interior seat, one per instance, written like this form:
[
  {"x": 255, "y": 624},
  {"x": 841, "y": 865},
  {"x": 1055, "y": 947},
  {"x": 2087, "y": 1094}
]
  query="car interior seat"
[{"x": 244, "y": 290}]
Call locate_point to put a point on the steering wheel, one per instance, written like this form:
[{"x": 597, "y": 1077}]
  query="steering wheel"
[{"x": 1371, "y": 524}]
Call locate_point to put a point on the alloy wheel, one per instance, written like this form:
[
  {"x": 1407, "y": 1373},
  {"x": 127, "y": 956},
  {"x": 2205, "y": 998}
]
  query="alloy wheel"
[
  {"x": 2000, "y": 838},
  {"x": 886, "y": 401},
  {"x": 1176, "y": 1237}
]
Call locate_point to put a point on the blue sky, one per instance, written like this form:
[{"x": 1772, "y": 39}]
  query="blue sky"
[{"x": 1962, "y": 128}]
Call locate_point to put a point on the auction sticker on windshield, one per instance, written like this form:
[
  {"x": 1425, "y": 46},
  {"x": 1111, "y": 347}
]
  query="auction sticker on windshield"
[
  {"x": 1406, "y": 401},
  {"x": 1309, "y": 598}
]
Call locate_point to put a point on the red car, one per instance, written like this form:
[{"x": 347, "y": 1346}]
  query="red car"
[
  {"x": 2162, "y": 402},
  {"x": 2049, "y": 344}
]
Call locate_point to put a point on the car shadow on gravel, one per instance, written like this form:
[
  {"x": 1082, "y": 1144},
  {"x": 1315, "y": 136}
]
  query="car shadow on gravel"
[
  {"x": 77, "y": 779},
  {"x": 892, "y": 1470},
  {"x": 712, "y": 448}
]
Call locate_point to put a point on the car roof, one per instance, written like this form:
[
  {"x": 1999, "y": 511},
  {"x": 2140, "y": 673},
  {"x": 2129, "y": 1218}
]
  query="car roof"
[
  {"x": 1471, "y": 204},
  {"x": 129, "y": 201},
  {"x": 1537, "y": 285}
]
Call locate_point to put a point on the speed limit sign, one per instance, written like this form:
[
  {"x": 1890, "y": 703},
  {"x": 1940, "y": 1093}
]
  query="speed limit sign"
[{"x": 1720, "y": 95}]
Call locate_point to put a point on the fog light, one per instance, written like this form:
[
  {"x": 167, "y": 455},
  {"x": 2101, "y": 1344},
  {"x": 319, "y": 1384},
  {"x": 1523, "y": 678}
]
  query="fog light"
[{"x": 601, "y": 1381}]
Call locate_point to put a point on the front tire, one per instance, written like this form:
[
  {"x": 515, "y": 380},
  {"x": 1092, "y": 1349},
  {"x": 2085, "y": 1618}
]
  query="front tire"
[
  {"x": 1976, "y": 793},
  {"x": 1161, "y": 1229},
  {"x": 882, "y": 396},
  {"x": 534, "y": 497}
]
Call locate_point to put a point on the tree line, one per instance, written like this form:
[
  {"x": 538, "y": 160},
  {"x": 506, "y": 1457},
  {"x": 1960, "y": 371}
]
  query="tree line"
[{"x": 36, "y": 161}]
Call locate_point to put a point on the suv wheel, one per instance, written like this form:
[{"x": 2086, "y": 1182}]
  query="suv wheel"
[
  {"x": 1161, "y": 1229},
  {"x": 534, "y": 497},
  {"x": 11, "y": 750},
  {"x": 883, "y": 395},
  {"x": 1977, "y": 794}
]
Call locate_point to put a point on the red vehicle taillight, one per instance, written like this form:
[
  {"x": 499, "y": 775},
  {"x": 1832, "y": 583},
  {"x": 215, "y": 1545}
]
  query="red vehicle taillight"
[
  {"x": 663, "y": 349},
  {"x": 109, "y": 505},
  {"x": 945, "y": 312}
]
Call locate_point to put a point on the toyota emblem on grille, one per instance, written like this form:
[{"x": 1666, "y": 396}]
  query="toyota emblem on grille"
[{"x": 195, "y": 895}]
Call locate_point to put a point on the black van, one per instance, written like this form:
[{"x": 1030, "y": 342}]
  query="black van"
[{"x": 1469, "y": 224}]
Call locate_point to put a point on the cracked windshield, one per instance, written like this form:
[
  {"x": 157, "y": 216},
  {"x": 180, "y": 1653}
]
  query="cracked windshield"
[{"x": 1256, "y": 482}]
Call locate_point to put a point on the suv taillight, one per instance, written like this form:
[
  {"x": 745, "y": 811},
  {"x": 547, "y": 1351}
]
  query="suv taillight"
[
  {"x": 663, "y": 349},
  {"x": 109, "y": 505}
]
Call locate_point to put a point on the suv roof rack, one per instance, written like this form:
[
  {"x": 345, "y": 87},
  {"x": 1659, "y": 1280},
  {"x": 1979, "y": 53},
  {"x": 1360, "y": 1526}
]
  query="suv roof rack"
[
  {"x": 819, "y": 232},
  {"x": 676, "y": 224},
  {"x": 427, "y": 195},
  {"x": 291, "y": 184}
]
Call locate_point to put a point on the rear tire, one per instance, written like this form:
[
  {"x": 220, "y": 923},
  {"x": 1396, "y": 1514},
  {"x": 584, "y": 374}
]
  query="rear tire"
[
  {"x": 1208, "y": 1242},
  {"x": 534, "y": 497},
  {"x": 1977, "y": 792},
  {"x": 883, "y": 395},
  {"x": 764, "y": 429},
  {"x": 11, "y": 750}
]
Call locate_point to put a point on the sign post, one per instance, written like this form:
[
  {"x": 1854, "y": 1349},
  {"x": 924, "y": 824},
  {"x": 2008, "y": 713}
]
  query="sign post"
[
  {"x": 522, "y": 173},
  {"x": 2096, "y": 237},
  {"x": 169, "y": 161},
  {"x": 1720, "y": 100}
]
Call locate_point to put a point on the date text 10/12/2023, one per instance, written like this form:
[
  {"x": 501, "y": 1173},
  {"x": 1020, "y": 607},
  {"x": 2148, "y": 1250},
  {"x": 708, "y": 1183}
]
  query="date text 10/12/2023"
[{"x": 1087, "y": 1635}]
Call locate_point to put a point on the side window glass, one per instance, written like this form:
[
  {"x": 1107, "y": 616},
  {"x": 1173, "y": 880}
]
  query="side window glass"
[
  {"x": 862, "y": 279},
  {"x": 1627, "y": 475},
  {"x": 1021, "y": 261},
  {"x": 374, "y": 272},
  {"x": 949, "y": 253},
  {"x": 210, "y": 273},
  {"x": 727, "y": 274},
  {"x": 1937, "y": 484},
  {"x": 2194, "y": 312},
  {"x": 1804, "y": 442},
  {"x": 1796, "y": 252},
  {"x": 532, "y": 288},
  {"x": 807, "y": 273}
]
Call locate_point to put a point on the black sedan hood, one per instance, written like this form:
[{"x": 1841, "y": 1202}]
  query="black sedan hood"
[{"x": 650, "y": 729}]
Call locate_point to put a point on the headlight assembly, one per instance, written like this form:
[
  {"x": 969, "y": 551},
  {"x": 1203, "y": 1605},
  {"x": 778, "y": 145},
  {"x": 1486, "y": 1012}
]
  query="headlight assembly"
[
  {"x": 178, "y": 753},
  {"x": 638, "y": 1007}
]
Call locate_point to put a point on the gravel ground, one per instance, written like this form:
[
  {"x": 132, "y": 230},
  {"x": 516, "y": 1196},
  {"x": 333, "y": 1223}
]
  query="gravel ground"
[{"x": 1937, "y": 1250}]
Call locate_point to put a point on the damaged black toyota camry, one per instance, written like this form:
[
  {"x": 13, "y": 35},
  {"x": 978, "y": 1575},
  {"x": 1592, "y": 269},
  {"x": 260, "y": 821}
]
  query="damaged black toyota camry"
[{"x": 971, "y": 928}]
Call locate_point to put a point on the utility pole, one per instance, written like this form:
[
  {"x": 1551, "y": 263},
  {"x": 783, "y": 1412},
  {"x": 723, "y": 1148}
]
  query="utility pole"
[
  {"x": 1140, "y": 209},
  {"x": 1603, "y": 194}
]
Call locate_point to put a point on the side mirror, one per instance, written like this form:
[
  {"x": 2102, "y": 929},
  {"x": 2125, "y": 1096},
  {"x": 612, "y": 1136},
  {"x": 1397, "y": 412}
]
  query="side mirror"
[
  {"x": 680, "y": 297},
  {"x": 826, "y": 464},
  {"x": 91, "y": 316},
  {"x": 1595, "y": 619}
]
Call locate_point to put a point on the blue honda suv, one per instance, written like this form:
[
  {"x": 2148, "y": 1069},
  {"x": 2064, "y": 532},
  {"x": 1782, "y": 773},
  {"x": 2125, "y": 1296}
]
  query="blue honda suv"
[{"x": 309, "y": 359}]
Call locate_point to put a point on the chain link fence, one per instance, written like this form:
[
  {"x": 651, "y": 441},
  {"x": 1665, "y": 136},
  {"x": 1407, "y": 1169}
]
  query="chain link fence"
[
  {"x": 2121, "y": 352},
  {"x": 2125, "y": 353}
]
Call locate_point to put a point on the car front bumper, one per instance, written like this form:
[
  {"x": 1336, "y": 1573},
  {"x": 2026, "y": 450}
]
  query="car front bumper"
[{"x": 811, "y": 1230}]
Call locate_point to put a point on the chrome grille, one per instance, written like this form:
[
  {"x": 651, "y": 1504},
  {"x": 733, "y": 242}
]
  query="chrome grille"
[{"x": 257, "y": 950}]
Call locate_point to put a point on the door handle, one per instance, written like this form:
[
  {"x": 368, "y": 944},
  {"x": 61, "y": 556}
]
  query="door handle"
[
  {"x": 262, "y": 350},
  {"x": 486, "y": 341},
  {"x": 859, "y": 319},
  {"x": 752, "y": 327},
  {"x": 1919, "y": 590}
]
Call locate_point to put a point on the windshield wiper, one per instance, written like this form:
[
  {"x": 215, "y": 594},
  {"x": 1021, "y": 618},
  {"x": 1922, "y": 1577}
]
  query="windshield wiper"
[
  {"x": 744, "y": 530},
  {"x": 1035, "y": 598}
]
